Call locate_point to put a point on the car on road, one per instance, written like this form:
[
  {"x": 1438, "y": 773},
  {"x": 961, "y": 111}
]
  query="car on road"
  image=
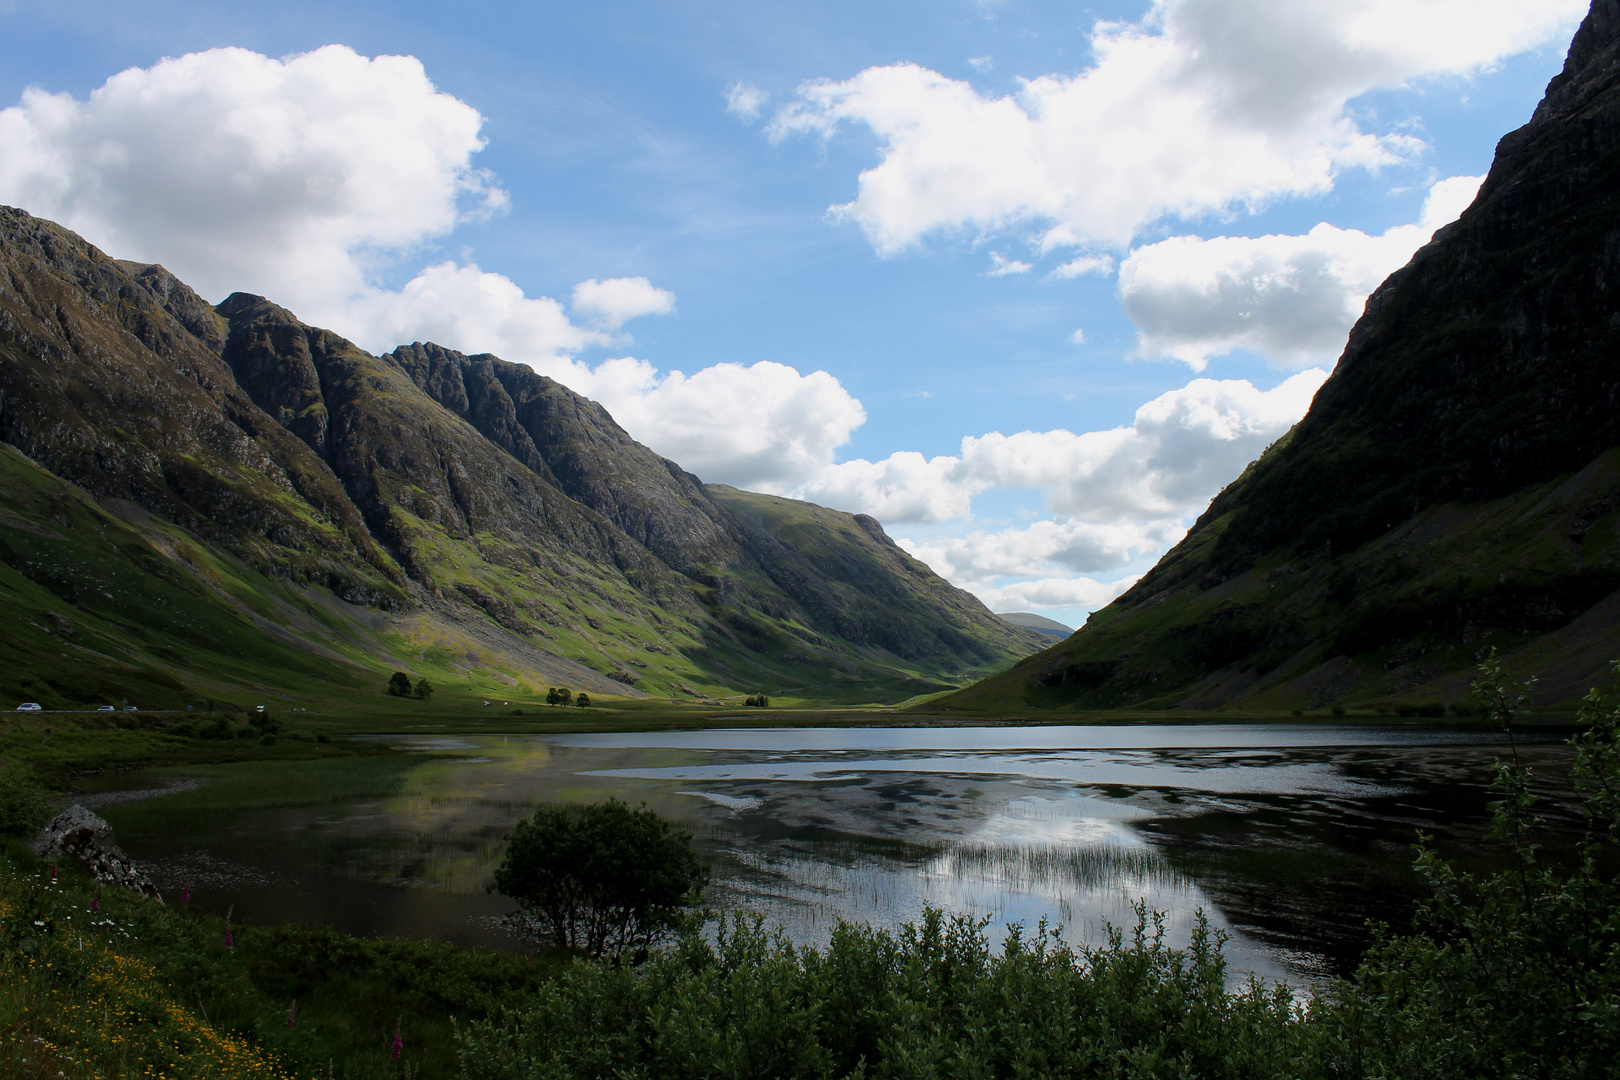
[
  {"x": 106, "y": 708},
  {"x": 30, "y": 706},
  {"x": 131, "y": 708}
]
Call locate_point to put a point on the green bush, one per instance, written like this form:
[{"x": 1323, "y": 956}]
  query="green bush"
[
  {"x": 931, "y": 1001},
  {"x": 601, "y": 879},
  {"x": 24, "y": 804}
]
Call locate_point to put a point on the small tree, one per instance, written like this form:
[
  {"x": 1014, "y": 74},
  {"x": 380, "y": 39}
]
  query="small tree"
[
  {"x": 602, "y": 879},
  {"x": 583, "y": 701},
  {"x": 424, "y": 690},
  {"x": 551, "y": 695},
  {"x": 564, "y": 695},
  {"x": 399, "y": 684}
]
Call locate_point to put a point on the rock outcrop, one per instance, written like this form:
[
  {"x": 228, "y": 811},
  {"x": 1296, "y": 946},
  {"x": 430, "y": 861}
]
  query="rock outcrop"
[{"x": 85, "y": 836}]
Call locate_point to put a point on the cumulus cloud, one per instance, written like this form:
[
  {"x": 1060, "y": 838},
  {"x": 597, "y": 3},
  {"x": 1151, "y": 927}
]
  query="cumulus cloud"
[
  {"x": 245, "y": 172},
  {"x": 1076, "y": 546},
  {"x": 1182, "y": 447},
  {"x": 614, "y": 302},
  {"x": 764, "y": 426},
  {"x": 1203, "y": 106},
  {"x": 1083, "y": 593},
  {"x": 302, "y": 178},
  {"x": 1291, "y": 298}
]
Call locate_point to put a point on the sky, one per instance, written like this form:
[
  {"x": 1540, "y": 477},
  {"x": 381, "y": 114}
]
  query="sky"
[{"x": 1029, "y": 282}]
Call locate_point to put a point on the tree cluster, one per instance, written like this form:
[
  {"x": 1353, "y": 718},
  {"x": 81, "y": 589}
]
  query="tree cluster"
[
  {"x": 399, "y": 685},
  {"x": 561, "y": 695},
  {"x": 758, "y": 701},
  {"x": 604, "y": 880}
]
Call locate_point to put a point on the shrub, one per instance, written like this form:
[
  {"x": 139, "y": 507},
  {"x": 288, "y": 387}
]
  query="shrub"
[
  {"x": 932, "y": 1000},
  {"x": 424, "y": 690},
  {"x": 24, "y": 804},
  {"x": 601, "y": 879}
]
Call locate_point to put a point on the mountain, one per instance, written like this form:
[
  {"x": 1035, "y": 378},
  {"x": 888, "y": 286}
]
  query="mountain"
[
  {"x": 1038, "y": 623},
  {"x": 202, "y": 502},
  {"x": 1454, "y": 486}
]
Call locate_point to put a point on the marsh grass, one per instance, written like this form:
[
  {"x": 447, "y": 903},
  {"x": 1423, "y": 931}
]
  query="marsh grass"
[{"x": 1091, "y": 866}]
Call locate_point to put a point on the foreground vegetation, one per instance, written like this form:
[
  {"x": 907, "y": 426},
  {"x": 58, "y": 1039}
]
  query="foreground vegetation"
[{"x": 1509, "y": 974}]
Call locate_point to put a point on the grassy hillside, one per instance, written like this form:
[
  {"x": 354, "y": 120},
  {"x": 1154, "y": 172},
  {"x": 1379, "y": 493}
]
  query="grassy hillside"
[
  {"x": 1452, "y": 488},
  {"x": 286, "y": 515}
]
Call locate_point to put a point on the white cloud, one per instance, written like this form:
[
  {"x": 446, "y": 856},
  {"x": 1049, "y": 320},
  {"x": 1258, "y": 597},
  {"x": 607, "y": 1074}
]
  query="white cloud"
[
  {"x": 1203, "y": 106},
  {"x": 981, "y": 63},
  {"x": 745, "y": 101},
  {"x": 1001, "y": 266},
  {"x": 614, "y": 302},
  {"x": 1183, "y": 446},
  {"x": 764, "y": 427},
  {"x": 1085, "y": 264},
  {"x": 1079, "y": 335},
  {"x": 284, "y": 177},
  {"x": 302, "y": 178},
  {"x": 1045, "y": 594},
  {"x": 463, "y": 307},
  {"x": 1292, "y": 298},
  {"x": 1045, "y": 546}
]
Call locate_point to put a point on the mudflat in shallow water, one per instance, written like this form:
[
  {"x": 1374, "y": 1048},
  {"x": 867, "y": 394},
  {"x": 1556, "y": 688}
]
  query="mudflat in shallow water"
[{"x": 1288, "y": 837}]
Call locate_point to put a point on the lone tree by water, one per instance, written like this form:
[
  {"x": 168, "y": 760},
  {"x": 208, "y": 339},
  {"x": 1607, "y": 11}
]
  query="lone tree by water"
[
  {"x": 399, "y": 684},
  {"x": 603, "y": 879}
]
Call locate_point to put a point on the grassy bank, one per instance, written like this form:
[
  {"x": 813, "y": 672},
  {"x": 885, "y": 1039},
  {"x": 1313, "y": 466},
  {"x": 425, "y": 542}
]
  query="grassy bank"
[{"x": 106, "y": 984}]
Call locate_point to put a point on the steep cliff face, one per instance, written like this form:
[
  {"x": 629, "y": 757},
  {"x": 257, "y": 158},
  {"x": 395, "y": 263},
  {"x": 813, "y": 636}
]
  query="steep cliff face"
[
  {"x": 493, "y": 514},
  {"x": 101, "y": 385},
  {"x": 1452, "y": 486}
]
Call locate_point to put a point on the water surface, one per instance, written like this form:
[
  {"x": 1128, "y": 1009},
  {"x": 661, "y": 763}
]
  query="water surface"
[{"x": 1288, "y": 837}]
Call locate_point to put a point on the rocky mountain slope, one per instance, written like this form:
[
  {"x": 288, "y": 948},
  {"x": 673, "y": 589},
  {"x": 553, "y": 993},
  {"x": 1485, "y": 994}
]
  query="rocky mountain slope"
[
  {"x": 1454, "y": 486},
  {"x": 276, "y": 488}
]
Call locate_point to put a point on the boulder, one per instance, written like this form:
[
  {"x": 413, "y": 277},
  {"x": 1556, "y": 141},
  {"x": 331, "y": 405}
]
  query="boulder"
[{"x": 87, "y": 837}]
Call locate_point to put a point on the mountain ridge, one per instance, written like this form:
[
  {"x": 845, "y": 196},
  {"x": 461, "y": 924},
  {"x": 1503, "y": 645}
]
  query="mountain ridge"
[
  {"x": 450, "y": 507},
  {"x": 1364, "y": 558}
]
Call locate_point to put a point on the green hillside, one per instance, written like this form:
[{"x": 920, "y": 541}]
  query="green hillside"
[
  {"x": 322, "y": 517},
  {"x": 1454, "y": 486}
]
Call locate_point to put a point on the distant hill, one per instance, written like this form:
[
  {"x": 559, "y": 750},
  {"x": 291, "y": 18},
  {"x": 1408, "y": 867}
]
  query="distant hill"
[
  {"x": 1455, "y": 485},
  {"x": 214, "y": 503},
  {"x": 1038, "y": 623}
]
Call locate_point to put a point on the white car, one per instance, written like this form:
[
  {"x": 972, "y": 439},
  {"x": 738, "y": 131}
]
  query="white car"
[
  {"x": 30, "y": 706},
  {"x": 106, "y": 708},
  {"x": 131, "y": 708}
]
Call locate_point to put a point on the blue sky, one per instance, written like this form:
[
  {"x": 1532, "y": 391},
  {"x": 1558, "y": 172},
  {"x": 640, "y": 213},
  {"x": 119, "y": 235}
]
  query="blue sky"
[{"x": 610, "y": 155}]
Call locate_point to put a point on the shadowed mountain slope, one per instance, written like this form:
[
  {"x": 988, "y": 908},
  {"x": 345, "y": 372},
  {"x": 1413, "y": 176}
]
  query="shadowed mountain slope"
[
  {"x": 1454, "y": 485},
  {"x": 462, "y": 514}
]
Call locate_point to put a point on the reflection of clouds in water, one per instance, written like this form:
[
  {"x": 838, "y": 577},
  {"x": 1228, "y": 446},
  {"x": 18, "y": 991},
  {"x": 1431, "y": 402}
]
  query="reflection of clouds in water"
[
  {"x": 1140, "y": 769},
  {"x": 737, "y": 804},
  {"x": 1047, "y": 737},
  {"x": 1081, "y": 892}
]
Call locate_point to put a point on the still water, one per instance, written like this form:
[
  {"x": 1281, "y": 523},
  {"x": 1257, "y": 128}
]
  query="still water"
[{"x": 1288, "y": 838}]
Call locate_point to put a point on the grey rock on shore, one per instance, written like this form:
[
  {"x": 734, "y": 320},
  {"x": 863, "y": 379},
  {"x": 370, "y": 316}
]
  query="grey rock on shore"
[{"x": 87, "y": 837}]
